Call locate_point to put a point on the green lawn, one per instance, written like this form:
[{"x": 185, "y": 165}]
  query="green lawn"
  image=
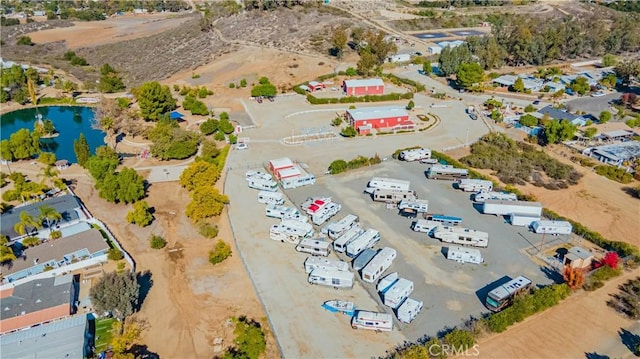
[{"x": 103, "y": 333}]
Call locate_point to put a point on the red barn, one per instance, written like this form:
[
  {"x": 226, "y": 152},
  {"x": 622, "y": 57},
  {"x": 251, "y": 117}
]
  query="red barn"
[
  {"x": 280, "y": 164},
  {"x": 363, "y": 87},
  {"x": 316, "y": 86},
  {"x": 389, "y": 117}
]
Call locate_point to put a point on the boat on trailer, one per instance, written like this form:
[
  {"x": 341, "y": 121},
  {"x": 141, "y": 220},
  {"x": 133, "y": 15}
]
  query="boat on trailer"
[{"x": 342, "y": 306}]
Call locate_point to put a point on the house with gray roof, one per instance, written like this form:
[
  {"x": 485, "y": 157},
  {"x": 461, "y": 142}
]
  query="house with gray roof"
[
  {"x": 561, "y": 115},
  {"x": 615, "y": 154}
]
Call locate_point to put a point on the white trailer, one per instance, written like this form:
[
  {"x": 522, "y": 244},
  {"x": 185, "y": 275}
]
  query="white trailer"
[
  {"x": 267, "y": 197},
  {"x": 552, "y": 227},
  {"x": 372, "y": 321},
  {"x": 283, "y": 212},
  {"x": 314, "y": 262},
  {"x": 503, "y": 208},
  {"x": 474, "y": 185},
  {"x": 386, "y": 282},
  {"x": 340, "y": 244},
  {"x": 420, "y": 205},
  {"x": 321, "y": 209},
  {"x": 464, "y": 255},
  {"x": 501, "y": 196},
  {"x": 262, "y": 184},
  {"x": 298, "y": 181},
  {"x": 446, "y": 172},
  {"x": 523, "y": 220},
  {"x": 336, "y": 229},
  {"x": 258, "y": 174},
  {"x": 397, "y": 292},
  {"x": 314, "y": 246},
  {"x": 331, "y": 277},
  {"x": 363, "y": 259},
  {"x": 462, "y": 236},
  {"x": 424, "y": 225},
  {"x": 387, "y": 183},
  {"x": 392, "y": 195},
  {"x": 291, "y": 231},
  {"x": 408, "y": 310},
  {"x": 415, "y": 154},
  {"x": 380, "y": 263},
  {"x": 367, "y": 240}
]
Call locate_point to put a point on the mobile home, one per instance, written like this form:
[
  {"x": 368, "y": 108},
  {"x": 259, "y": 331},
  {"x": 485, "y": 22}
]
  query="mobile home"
[
  {"x": 314, "y": 262},
  {"x": 409, "y": 310},
  {"x": 386, "y": 282},
  {"x": 424, "y": 225},
  {"x": 298, "y": 181},
  {"x": 363, "y": 259},
  {"x": 464, "y": 255},
  {"x": 314, "y": 246},
  {"x": 372, "y": 321},
  {"x": 336, "y": 229},
  {"x": 415, "y": 154},
  {"x": 524, "y": 220},
  {"x": 340, "y": 244},
  {"x": 503, "y": 296},
  {"x": 262, "y": 184},
  {"x": 474, "y": 185},
  {"x": 387, "y": 183},
  {"x": 462, "y": 236},
  {"x": 420, "y": 205},
  {"x": 258, "y": 174},
  {"x": 552, "y": 227},
  {"x": 397, "y": 292},
  {"x": 500, "y": 196},
  {"x": 267, "y": 197},
  {"x": 445, "y": 220},
  {"x": 447, "y": 172},
  {"x": 331, "y": 277},
  {"x": 321, "y": 209},
  {"x": 364, "y": 241},
  {"x": 380, "y": 263},
  {"x": 392, "y": 196},
  {"x": 283, "y": 212},
  {"x": 502, "y": 208},
  {"x": 291, "y": 231}
]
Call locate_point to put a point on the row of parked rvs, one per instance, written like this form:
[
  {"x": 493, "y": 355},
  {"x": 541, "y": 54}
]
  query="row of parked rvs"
[{"x": 395, "y": 292}]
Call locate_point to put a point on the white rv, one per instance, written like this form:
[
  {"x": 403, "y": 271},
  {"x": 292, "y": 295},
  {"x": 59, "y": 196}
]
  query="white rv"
[
  {"x": 502, "y": 208},
  {"x": 387, "y": 183},
  {"x": 420, "y": 205},
  {"x": 446, "y": 172},
  {"x": 321, "y": 209},
  {"x": 364, "y": 241},
  {"x": 298, "y": 181},
  {"x": 397, "y": 292},
  {"x": 340, "y": 244},
  {"x": 291, "y": 231},
  {"x": 462, "y": 236},
  {"x": 331, "y": 277},
  {"x": 552, "y": 227},
  {"x": 258, "y": 174},
  {"x": 386, "y": 282},
  {"x": 380, "y": 263},
  {"x": 283, "y": 212},
  {"x": 424, "y": 225},
  {"x": 271, "y": 197},
  {"x": 313, "y": 262},
  {"x": 500, "y": 196},
  {"x": 363, "y": 259},
  {"x": 524, "y": 220},
  {"x": 408, "y": 310},
  {"x": 415, "y": 154},
  {"x": 474, "y": 185},
  {"x": 335, "y": 229},
  {"x": 464, "y": 255},
  {"x": 372, "y": 321},
  {"x": 392, "y": 195},
  {"x": 314, "y": 246},
  {"x": 262, "y": 184}
]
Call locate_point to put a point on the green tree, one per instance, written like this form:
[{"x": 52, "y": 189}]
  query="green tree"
[
  {"x": 609, "y": 60},
  {"x": 556, "y": 131},
  {"x": 338, "y": 41},
  {"x": 110, "y": 80},
  {"x": 605, "y": 116},
  {"x": 410, "y": 105},
  {"x": 451, "y": 58},
  {"x": 140, "y": 215},
  {"x": 154, "y": 100},
  {"x": 31, "y": 242},
  {"x": 528, "y": 120},
  {"x": 427, "y": 68},
  {"x": 205, "y": 202},
  {"x": 367, "y": 63},
  {"x": 208, "y": 231},
  {"x": 459, "y": 339},
  {"x": 199, "y": 174},
  {"x": 518, "y": 85},
  {"x": 157, "y": 242},
  {"x": 225, "y": 126},
  {"x": 27, "y": 224},
  {"x": 349, "y": 131},
  {"x": 580, "y": 85},
  {"x": 469, "y": 75},
  {"x": 209, "y": 126},
  {"x": 131, "y": 186},
  {"x": 529, "y": 108},
  {"x": 48, "y": 214},
  {"x": 24, "y": 144},
  {"x": 24, "y": 40},
  {"x": 590, "y": 132},
  {"x": 116, "y": 293},
  {"x": 172, "y": 142},
  {"x": 47, "y": 158},
  {"x": 6, "y": 252},
  {"x": 243, "y": 83},
  {"x": 81, "y": 149},
  {"x": 337, "y": 166},
  {"x": 626, "y": 70},
  {"x": 220, "y": 252},
  {"x": 250, "y": 342},
  {"x": 264, "y": 90},
  {"x": 5, "y": 150},
  {"x": 124, "y": 336}
]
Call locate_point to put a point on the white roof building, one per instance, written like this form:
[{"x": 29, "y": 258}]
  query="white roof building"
[
  {"x": 364, "y": 83},
  {"x": 377, "y": 112}
]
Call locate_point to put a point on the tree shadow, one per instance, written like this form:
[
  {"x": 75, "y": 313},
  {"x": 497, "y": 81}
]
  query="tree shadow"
[
  {"x": 595, "y": 355},
  {"x": 141, "y": 351},
  {"x": 633, "y": 192},
  {"x": 630, "y": 340},
  {"x": 552, "y": 274},
  {"x": 145, "y": 282}
]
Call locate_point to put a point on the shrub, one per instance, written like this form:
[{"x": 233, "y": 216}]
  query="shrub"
[
  {"x": 599, "y": 276},
  {"x": 55, "y": 234},
  {"x": 220, "y": 252},
  {"x": 30, "y": 241},
  {"x": 249, "y": 341},
  {"x": 349, "y": 131},
  {"x": 24, "y": 40},
  {"x": 337, "y": 166},
  {"x": 209, "y": 126},
  {"x": 530, "y": 108},
  {"x": 157, "y": 242},
  {"x": 611, "y": 259},
  {"x": 232, "y": 85},
  {"x": 208, "y": 231},
  {"x": 195, "y": 76},
  {"x": 243, "y": 83},
  {"x": 115, "y": 254},
  {"x": 459, "y": 339},
  {"x": 336, "y": 121},
  {"x": 614, "y": 174}
]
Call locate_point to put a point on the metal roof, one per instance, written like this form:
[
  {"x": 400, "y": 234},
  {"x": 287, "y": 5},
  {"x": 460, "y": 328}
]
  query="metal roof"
[
  {"x": 619, "y": 152},
  {"x": 364, "y": 82},
  {"x": 558, "y": 114},
  {"x": 283, "y": 162},
  {"x": 65, "y": 204},
  {"x": 370, "y": 113}
]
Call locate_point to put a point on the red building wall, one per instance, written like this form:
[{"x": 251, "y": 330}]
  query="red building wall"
[
  {"x": 364, "y": 90},
  {"x": 381, "y": 122}
]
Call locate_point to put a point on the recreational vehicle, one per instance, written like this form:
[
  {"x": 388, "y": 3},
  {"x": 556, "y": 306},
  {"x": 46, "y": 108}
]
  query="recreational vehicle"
[
  {"x": 267, "y": 197},
  {"x": 340, "y": 244},
  {"x": 447, "y": 172},
  {"x": 298, "y": 181},
  {"x": 415, "y": 154},
  {"x": 331, "y": 277},
  {"x": 262, "y": 184},
  {"x": 336, "y": 229},
  {"x": 464, "y": 255},
  {"x": 258, "y": 174},
  {"x": 313, "y": 262},
  {"x": 291, "y": 231},
  {"x": 408, "y": 310},
  {"x": 363, "y": 259},
  {"x": 474, "y": 185},
  {"x": 552, "y": 227},
  {"x": 500, "y": 196},
  {"x": 372, "y": 321},
  {"x": 424, "y": 225},
  {"x": 387, "y": 183},
  {"x": 502, "y": 208},
  {"x": 392, "y": 196},
  {"x": 386, "y": 282},
  {"x": 321, "y": 209},
  {"x": 420, "y": 205},
  {"x": 524, "y": 220},
  {"x": 445, "y": 220},
  {"x": 364, "y": 241},
  {"x": 283, "y": 212},
  {"x": 314, "y": 246},
  {"x": 503, "y": 296},
  {"x": 462, "y": 236},
  {"x": 380, "y": 263},
  {"x": 397, "y": 292}
]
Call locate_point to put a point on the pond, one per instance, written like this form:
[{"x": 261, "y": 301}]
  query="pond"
[{"x": 69, "y": 121}]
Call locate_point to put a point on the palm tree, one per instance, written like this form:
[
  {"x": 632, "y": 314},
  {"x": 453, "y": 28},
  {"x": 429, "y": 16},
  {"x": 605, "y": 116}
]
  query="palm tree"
[
  {"x": 49, "y": 172},
  {"x": 26, "y": 221},
  {"x": 49, "y": 214}
]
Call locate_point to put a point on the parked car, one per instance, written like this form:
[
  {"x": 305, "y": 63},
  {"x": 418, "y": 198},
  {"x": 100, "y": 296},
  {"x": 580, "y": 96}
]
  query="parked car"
[
  {"x": 242, "y": 146},
  {"x": 536, "y": 102},
  {"x": 598, "y": 94}
]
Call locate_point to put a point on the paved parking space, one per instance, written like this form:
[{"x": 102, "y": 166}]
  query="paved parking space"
[{"x": 593, "y": 105}]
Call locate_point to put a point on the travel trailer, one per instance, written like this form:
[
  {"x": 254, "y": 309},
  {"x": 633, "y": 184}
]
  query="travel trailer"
[
  {"x": 380, "y": 263},
  {"x": 445, "y": 220},
  {"x": 340, "y": 244},
  {"x": 501, "y": 297},
  {"x": 258, "y": 174},
  {"x": 500, "y": 196},
  {"x": 314, "y": 246},
  {"x": 474, "y": 185},
  {"x": 291, "y": 231},
  {"x": 298, "y": 181},
  {"x": 464, "y": 255},
  {"x": 321, "y": 209},
  {"x": 502, "y": 208},
  {"x": 267, "y": 197},
  {"x": 424, "y": 225},
  {"x": 372, "y": 321},
  {"x": 262, "y": 184},
  {"x": 524, "y": 220},
  {"x": 387, "y": 183},
  {"x": 336, "y": 229},
  {"x": 366, "y": 240},
  {"x": 363, "y": 259},
  {"x": 314, "y": 262},
  {"x": 552, "y": 227},
  {"x": 283, "y": 212},
  {"x": 462, "y": 236},
  {"x": 415, "y": 154},
  {"x": 447, "y": 172},
  {"x": 420, "y": 205},
  {"x": 408, "y": 310},
  {"x": 386, "y": 282},
  {"x": 397, "y": 292},
  {"x": 331, "y": 277},
  {"x": 392, "y": 196}
]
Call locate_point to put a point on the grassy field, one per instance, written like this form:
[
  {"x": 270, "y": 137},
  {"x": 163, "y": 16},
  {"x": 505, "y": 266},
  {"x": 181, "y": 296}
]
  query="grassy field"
[{"x": 103, "y": 333}]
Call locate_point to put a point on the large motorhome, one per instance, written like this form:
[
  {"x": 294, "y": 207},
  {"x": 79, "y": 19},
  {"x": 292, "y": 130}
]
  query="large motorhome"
[
  {"x": 262, "y": 184},
  {"x": 380, "y": 263},
  {"x": 500, "y": 196},
  {"x": 321, "y": 209},
  {"x": 335, "y": 229},
  {"x": 464, "y": 255},
  {"x": 283, "y": 212},
  {"x": 474, "y": 185},
  {"x": 258, "y": 174},
  {"x": 503, "y": 296},
  {"x": 502, "y": 208},
  {"x": 267, "y": 197},
  {"x": 372, "y": 321},
  {"x": 291, "y": 231},
  {"x": 424, "y": 225},
  {"x": 298, "y": 181},
  {"x": 447, "y": 172},
  {"x": 397, "y": 292},
  {"x": 392, "y": 196},
  {"x": 314, "y": 246},
  {"x": 364, "y": 241},
  {"x": 387, "y": 183},
  {"x": 524, "y": 220},
  {"x": 363, "y": 259},
  {"x": 420, "y": 205},
  {"x": 331, "y": 277},
  {"x": 445, "y": 220},
  {"x": 408, "y": 310},
  {"x": 340, "y": 244},
  {"x": 415, "y": 154},
  {"x": 462, "y": 236},
  {"x": 314, "y": 262},
  {"x": 552, "y": 227}
]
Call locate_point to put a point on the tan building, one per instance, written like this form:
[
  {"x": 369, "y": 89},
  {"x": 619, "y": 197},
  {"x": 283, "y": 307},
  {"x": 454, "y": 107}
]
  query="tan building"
[{"x": 578, "y": 257}]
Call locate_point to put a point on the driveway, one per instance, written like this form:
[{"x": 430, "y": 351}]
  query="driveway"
[{"x": 592, "y": 105}]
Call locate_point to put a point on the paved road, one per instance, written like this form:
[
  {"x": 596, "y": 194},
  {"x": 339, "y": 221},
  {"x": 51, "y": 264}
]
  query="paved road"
[{"x": 592, "y": 105}]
